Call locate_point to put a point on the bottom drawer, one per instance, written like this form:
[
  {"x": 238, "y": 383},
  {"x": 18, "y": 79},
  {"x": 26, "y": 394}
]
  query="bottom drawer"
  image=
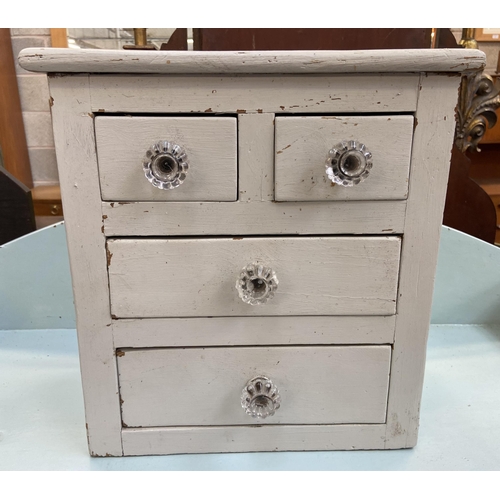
[{"x": 203, "y": 386}]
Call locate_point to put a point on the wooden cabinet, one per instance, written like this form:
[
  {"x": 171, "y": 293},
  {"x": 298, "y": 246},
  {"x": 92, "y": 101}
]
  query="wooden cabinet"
[
  {"x": 485, "y": 168},
  {"x": 275, "y": 260}
]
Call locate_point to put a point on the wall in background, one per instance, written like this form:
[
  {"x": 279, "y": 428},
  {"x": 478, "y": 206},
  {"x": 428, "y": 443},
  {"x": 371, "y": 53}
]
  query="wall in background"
[{"x": 34, "y": 94}]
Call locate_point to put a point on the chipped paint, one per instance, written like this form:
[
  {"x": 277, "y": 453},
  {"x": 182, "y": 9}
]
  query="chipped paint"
[
  {"x": 281, "y": 150},
  {"x": 109, "y": 255}
]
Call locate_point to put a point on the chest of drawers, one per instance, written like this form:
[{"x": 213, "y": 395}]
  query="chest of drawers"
[{"x": 253, "y": 240}]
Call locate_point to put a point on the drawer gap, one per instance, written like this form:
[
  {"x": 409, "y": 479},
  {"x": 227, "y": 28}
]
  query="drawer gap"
[
  {"x": 346, "y": 114},
  {"x": 250, "y": 236},
  {"x": 167, "y": 115},
  {"x": 123, "y": 350},
  {"x": 254, "y": 426}
]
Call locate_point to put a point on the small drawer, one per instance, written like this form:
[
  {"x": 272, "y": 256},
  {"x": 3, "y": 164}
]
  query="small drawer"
[
  {"x": 183, "y": 277},
  {"x": 209, "y": 386},
  {"x": 303, "y": 144},
  {"x": 187, "y": 158}
]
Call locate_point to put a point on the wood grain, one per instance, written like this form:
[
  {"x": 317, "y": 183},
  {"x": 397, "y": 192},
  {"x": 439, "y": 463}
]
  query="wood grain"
[
  {"x": 263, "y": 330},
  {"x": 431, "y": 155},
  {"x": 254, "y": 93},
  {"x": 286, "y": 61},
  {"x": 210, "y": 144},
  {"x": 77, "y": 163},
  {"x": 202, "y": 386},
  {"x": 59, "y": 38},
  {"x": 150, "y": 278},
  {"x": 164, "y": 441},
  {"x": 256, "y": 156},
  {"x": 240, "y": 218}
]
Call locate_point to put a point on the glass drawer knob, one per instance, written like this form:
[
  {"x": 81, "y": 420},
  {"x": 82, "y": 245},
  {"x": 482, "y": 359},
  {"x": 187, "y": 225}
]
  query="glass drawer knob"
[
  {"x": 165, "y": 165},
  {"x": 256, "y": 284},
  {"x": 260, "y": 397},
  {"x": 348, "y": 163}
]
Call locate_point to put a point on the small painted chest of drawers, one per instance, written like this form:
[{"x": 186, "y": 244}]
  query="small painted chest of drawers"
[{"x": 253, "y": 240}]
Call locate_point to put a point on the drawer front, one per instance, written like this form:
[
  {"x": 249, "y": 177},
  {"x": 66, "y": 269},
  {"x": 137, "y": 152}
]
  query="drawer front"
[
  {"x": 203, "y": 386},
  {"x": 303, "y": 144},
  {"x": 209, "y": 143},
  {"x": 197, "y": 277}
]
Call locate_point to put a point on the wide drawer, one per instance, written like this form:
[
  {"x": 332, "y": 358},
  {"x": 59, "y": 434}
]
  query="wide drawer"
[
  {"x": 182, "y": 277},
  {"x": 209, "y": 143},
  {"x": 203, "y": 386},
  {"x": 303, "y": 144}
]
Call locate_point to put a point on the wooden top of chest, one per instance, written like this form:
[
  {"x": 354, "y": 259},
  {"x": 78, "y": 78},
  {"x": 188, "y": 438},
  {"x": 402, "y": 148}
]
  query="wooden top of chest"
[{"x": 51, "y": 60}]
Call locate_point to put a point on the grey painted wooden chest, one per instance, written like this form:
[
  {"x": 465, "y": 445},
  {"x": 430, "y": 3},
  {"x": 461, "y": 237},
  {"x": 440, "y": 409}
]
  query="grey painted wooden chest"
[{"x": 253, "y": 240}]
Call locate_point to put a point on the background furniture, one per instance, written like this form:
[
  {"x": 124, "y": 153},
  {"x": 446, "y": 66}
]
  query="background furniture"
[
  {"x": 485, "y": 167},
  {"x": 16, "y": 206}
]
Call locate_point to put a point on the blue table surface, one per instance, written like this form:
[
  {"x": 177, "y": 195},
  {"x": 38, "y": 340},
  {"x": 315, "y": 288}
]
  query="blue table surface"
[{"x": 42, "y": 423}]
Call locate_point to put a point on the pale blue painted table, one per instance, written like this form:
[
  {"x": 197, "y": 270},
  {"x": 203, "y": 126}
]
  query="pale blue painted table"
[{"x": 41, "y": 407}]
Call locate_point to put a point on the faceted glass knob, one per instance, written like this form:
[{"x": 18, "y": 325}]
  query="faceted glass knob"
[
  {"x": 260, "y": 397},
  {"x": 165, "y": 165},
  {"x": 348, "y": 163},
  {"x": 256, "y": 284}
]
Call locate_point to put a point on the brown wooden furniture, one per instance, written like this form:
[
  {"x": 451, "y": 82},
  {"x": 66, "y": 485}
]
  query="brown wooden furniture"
[
  {"x": 47, "y": 200},
  {"x": 310, "y": 38},
  {"x": 16, "y": 206},
  {"x": 12, "y": 134},
  {"x": 485, "y": 169},
  {"x": 468, "y": 206},
  {"x": 59, "y": 37}
]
